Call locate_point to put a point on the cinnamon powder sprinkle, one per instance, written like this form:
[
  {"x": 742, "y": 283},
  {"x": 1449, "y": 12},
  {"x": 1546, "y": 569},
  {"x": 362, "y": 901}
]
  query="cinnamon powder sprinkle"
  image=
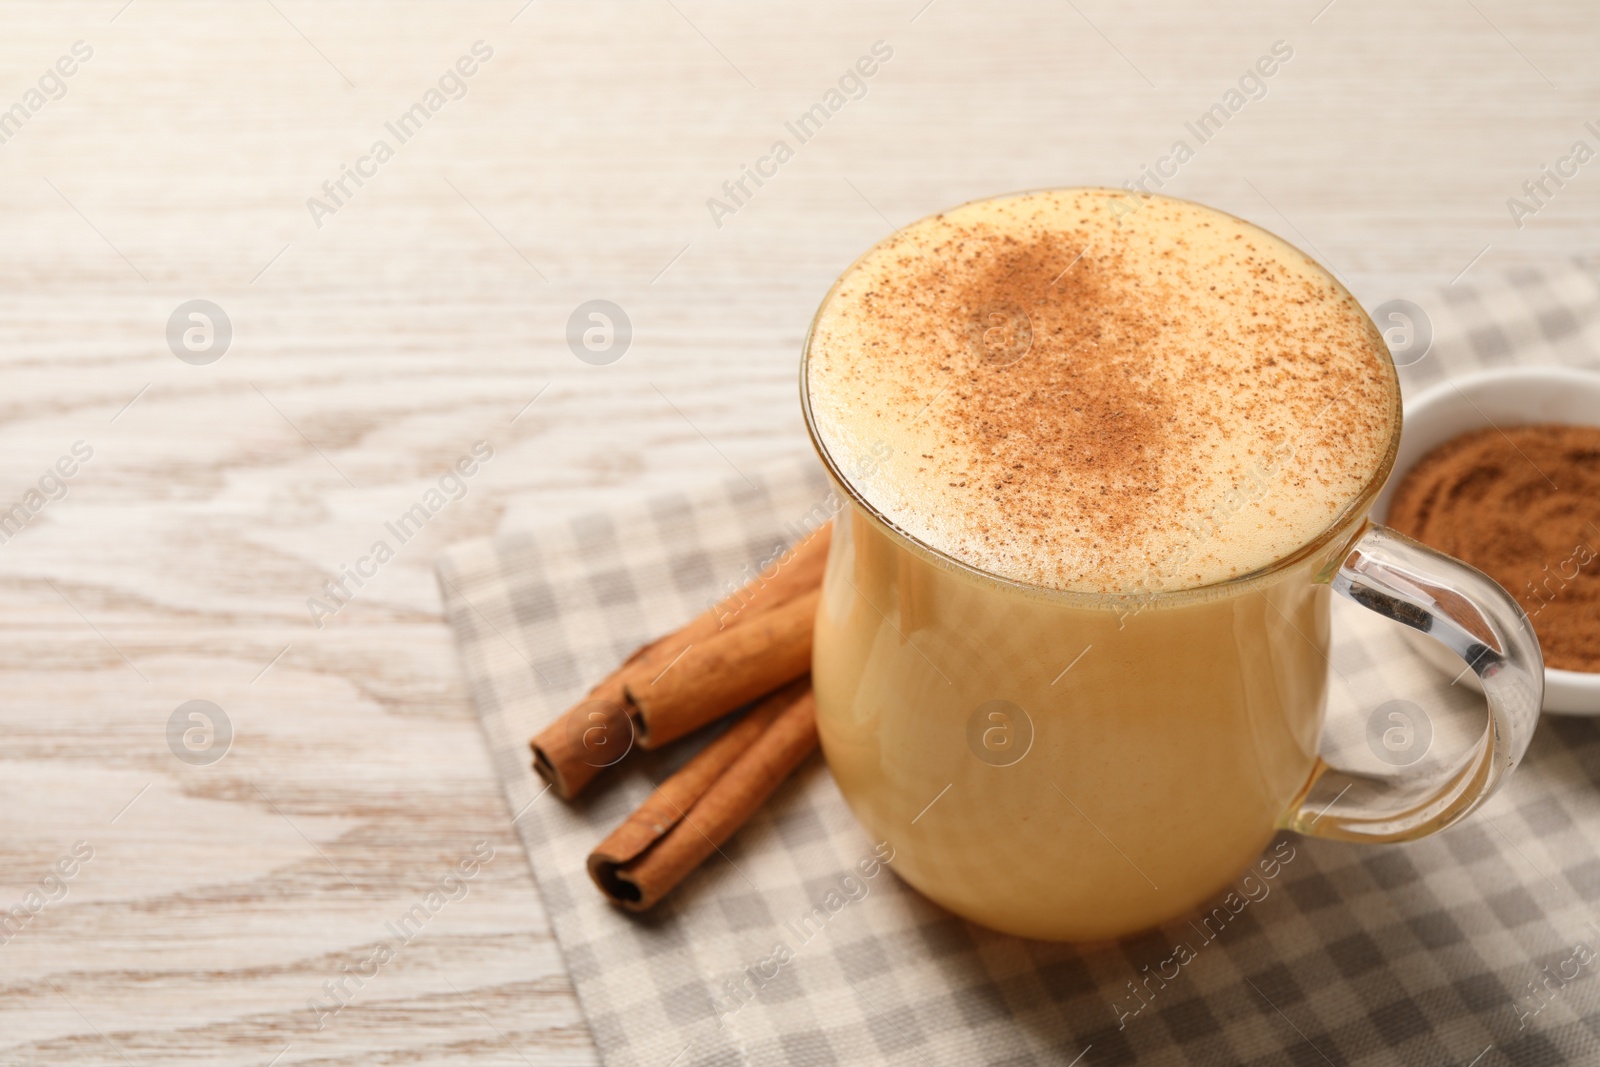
[
  {"x": 1091, "y": 390},
  {"x": 1523, "y": 506}
]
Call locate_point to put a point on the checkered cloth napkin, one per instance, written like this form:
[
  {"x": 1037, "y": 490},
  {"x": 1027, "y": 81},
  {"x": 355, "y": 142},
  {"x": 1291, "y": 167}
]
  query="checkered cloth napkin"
[{"x": 1480, "y": 946}]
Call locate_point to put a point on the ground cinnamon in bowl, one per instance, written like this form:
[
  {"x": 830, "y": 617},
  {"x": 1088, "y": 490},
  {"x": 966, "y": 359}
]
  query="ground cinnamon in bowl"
[{"x": 1523, "y": 506}]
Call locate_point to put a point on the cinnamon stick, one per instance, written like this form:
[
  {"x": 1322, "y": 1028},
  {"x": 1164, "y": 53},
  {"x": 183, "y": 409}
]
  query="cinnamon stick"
[
  {"x": 714, "y": 676},
  {"x": 598, "y": 731},
  {"x": 692, "y": 813}
]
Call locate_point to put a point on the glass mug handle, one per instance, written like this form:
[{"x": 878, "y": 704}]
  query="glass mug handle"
[{"x": 1459, "y": 606}]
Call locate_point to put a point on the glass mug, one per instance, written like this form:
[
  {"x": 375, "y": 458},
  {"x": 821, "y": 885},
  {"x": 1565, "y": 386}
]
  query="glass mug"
[{"x": 1078, "y": 767}]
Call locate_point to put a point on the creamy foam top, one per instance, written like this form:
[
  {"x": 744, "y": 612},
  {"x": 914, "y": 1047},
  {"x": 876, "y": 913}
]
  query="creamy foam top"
[{"x": 1094, "y": 390}]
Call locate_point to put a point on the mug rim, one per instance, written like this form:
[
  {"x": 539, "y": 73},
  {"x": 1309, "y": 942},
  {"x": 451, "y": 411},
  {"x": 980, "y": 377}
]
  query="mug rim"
[{"x": 1342, "y": 523}]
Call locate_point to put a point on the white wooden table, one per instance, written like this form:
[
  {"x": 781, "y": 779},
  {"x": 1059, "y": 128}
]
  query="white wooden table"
[{"x": 429, "y": 311}]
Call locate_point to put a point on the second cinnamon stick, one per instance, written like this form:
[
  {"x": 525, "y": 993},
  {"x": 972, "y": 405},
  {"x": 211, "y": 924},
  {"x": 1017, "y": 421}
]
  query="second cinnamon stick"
[{"x": 692, "y": 813}]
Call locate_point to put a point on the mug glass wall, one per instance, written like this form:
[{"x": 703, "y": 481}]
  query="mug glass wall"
[{"x": 1070, "y": 768}]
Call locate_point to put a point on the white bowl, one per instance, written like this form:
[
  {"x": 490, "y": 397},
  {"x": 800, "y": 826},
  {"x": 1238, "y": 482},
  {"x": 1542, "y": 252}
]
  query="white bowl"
[{"x": 1508, "y": 396}]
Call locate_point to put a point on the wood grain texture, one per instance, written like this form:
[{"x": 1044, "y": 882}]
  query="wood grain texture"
[{"x": 372, "y": 351}]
